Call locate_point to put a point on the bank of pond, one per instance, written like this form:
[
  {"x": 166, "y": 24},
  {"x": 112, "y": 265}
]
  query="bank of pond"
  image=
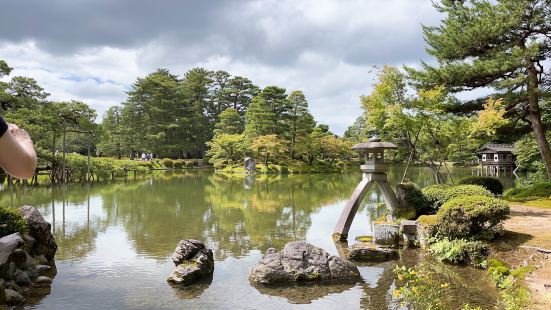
[{"x": 119, "y": 236}]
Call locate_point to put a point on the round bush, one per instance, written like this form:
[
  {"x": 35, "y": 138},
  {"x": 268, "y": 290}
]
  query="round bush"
[
  {"x": 189, "y": 164},
  {"x": 179, "y": 163},
  {"x": 491, "y": 184},
  {"x": 13, "y": 221},
  {"x": 471, "y": 216},
  {"x": 437, "y": 195},
  {"x": 167, "y": 162}
]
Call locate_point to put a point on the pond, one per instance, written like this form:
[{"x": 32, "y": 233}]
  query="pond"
[{"x": 115, "y": 240}]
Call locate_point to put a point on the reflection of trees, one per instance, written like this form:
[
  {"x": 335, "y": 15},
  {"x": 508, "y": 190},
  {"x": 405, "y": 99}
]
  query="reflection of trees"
[{"x": 274, "y": 211}]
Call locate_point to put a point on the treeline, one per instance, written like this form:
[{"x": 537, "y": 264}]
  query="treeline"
[{"x": 203, "y": 113}]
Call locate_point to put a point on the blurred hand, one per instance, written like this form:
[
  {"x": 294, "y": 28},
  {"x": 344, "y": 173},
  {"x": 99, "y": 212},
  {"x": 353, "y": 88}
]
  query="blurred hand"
[{"x": 18, "y": 133}]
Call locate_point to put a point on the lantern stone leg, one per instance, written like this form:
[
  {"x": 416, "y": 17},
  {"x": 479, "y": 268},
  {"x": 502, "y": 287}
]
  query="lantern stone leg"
[
  {"x": 389, "y": 195},
  {"x": 374, "y": 171},
  {"x": 350, "y": 209}
]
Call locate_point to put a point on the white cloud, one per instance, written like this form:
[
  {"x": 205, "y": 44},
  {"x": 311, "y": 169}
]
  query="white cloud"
[{"x": 325, "y": 48}]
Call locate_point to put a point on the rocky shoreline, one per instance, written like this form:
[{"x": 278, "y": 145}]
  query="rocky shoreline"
[{"x": 26, "y": 258}]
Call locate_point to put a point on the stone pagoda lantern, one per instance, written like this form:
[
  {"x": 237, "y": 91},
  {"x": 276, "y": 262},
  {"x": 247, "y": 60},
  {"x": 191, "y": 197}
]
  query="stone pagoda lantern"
[{"x": 374, "y": 169}]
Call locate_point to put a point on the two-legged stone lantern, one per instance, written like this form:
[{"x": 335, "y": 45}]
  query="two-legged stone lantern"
[{"x": 374, "y": 171}]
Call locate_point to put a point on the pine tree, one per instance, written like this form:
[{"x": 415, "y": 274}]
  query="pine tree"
[
  {"x": 501, "y": 45},
  {"x": 229, "y": 122},
  {"x": 258, "y": 119},
  {"x": 299, "y": 122},
  {"x": 276, "y": 101}
]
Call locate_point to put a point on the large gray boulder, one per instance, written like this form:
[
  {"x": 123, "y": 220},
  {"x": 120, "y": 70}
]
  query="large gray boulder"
[
  {"x": 301, "y": 261},
  {"x": 40, "y": 230},
  {"x": 193, "y": 261},
  {"x": 8, "y": 244}
]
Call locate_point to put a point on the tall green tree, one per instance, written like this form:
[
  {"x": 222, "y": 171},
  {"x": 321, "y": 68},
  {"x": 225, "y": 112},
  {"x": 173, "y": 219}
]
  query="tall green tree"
[
  {"x": 502, "y": 45},
  {"x": 111, "y": 132},
  {"x": 239, "y": 93},
  {"x": 160, "y": 98},
  {"x": 229, "y": 122},
  {"x": 198, "y": 128},
  {"x": 300, "y": 122},
  {"x": 258, "y": 119},
  {"x": 279, "y": 106}
]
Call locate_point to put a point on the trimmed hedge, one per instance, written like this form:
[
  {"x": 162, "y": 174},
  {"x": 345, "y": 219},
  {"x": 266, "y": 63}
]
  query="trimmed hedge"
[
  {"x": 439, "y": 194},
  {"x": 13, "y": 220},
  {"x": 471, "y": 216},
  {"x": 178, "y": 163},
  {"x": 539, "y": 190},
  {"x": 492, "y": 184},
  {"x": 168, "y": 163}
]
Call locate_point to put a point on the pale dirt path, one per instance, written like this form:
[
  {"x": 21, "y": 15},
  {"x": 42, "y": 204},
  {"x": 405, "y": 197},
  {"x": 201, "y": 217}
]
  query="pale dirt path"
[{"x": 535, "y": 225}]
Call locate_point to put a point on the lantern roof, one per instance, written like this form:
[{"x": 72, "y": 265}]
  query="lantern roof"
[{"x": 374, "y": 143}]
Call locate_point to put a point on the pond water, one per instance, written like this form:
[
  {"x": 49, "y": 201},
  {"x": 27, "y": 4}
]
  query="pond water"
[{"x": 115, "y": 240}]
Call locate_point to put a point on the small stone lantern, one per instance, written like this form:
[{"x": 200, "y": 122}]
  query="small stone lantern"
[
  {"x": 374, "y": 170},
  {"x": 374, "y": 154}
]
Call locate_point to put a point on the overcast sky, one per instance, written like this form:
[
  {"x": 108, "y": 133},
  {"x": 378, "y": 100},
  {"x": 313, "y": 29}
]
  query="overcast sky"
[{"x": 92, "y": 50}]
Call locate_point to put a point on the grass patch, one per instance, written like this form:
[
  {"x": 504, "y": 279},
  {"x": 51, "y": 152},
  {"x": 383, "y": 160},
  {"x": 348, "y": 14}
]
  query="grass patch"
[{"x": 538, "y": 203}]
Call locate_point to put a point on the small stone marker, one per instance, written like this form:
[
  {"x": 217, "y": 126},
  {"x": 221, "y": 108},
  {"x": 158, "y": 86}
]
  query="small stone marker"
[
  {"x": 369, "y": 252},
  {"x": 386, "y": 233}
]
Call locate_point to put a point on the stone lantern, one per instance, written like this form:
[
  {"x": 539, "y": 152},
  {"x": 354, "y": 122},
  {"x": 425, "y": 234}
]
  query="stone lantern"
[
  {"x": 374, "y": 154},
  {"x": 374, "y": 170}
]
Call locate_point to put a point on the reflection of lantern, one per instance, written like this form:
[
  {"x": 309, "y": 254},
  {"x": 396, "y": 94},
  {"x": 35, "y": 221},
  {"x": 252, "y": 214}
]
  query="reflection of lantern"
[
  {"x": 374, "y": 171},
  {"x": 374, "y": 154}
]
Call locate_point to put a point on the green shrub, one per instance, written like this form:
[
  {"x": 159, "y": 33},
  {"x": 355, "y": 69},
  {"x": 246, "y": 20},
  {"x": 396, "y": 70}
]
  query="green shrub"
[
  {"x": 471, "y": 216},
  {"x": 189, "y": 163},
  {"x": 13, "y": 220},
  {"x": 219, "y": 164},
  {"x": 168, "y": 163},
  {"x": 492, "y": 184},
  {"x": 459, "y": 251},
  {"x": 411, "y": 201},
  {"x": 437, "y": 195},
  {"x": 195, "y": 162},
  {"x": 178, "y": 163},
  {"x": 539, "y": 190}
]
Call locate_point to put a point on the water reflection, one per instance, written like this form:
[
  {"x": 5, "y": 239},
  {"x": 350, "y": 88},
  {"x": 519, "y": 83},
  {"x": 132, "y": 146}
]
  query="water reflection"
[{"x": 118, "y": 236}]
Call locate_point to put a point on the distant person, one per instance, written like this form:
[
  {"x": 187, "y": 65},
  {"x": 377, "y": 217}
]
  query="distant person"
[
  {"x": 143, "y": 157},
  {"x": 17, "y": 154}
]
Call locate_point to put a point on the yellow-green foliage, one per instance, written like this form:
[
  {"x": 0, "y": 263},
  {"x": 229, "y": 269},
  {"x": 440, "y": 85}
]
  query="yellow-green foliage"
[
  {"x": 13, "y": 221},
  {"x": 103, "y": 167},
  {"x": 439, "y": 194},
  {"x": 459, "y": 251},
  {"x": 178, "y": 163},
  {"x": 471, "y": 216},
  {"x": 168, "y": 163}
]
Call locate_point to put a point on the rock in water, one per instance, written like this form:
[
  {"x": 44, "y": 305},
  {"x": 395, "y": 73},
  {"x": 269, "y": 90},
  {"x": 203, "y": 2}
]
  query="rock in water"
[
  {"x": 41, "y": 269},
  {"x": 40, "y": 230},
  {"x": 13, "y": 297},
  {"x": 301, "y": 261},
  {"x": 369, "y": 252},
  {"x": 43, "y": 280},
  {"x": 193, "y": 262}
]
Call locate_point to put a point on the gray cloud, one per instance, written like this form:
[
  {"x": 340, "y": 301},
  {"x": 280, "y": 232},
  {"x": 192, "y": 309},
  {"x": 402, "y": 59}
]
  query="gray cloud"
[{"x": 324, "y": 47}]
